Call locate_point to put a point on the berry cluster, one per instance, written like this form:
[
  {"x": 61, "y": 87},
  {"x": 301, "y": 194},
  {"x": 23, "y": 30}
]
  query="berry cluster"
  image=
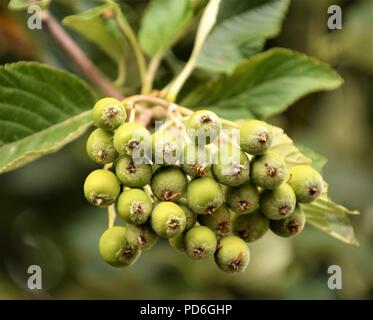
[{"x": 207, "y": 202}]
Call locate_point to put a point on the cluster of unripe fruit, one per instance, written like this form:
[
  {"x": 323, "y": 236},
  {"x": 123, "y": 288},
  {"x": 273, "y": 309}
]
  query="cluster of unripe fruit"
[{"x": 207, "y": 204}]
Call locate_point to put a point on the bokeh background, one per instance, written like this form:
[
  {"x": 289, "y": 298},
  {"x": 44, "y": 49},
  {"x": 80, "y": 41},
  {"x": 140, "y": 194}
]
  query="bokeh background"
[{"x": 45, "y": 220}]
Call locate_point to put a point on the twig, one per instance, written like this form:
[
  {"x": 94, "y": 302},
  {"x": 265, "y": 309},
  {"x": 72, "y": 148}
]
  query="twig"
[
  {"x": 79, "y": 57},
  {"x": 111, "y": 216}
]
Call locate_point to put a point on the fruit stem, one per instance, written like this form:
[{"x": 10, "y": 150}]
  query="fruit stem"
[
  {"x": 79, "y": 57},
  {"x": 132, "y": 112},
  {"x": 111, "y": 215}
]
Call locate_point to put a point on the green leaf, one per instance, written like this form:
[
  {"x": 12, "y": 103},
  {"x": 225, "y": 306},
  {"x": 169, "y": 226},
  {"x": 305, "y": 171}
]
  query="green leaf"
[
  {"x": 264, "y": 85},
  {"x": 162, "y": 23},
  {"x": 41, "y": 110},
  {"x": 24, "y": 4},
  {"x": 331, "y": 218},
  {"x": 318, "y": 160},
  {"x": 99, "y": 26},
  {"x": 241, "y": 31},
  {"x": 285, "y": 147}
]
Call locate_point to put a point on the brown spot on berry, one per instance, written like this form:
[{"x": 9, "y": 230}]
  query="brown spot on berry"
[
  {"x": 131, "y": 167},
  {"x": 205, "y": 119},
  {"x": 263, "y": 137},
  {"x": 284, "y": 210},
  {"x": 244, "y": 205},
  {"x": 223, "y": 228},
  {"x": 271, "y": 171},
  {"x": 294, "y": 227},
  {"x": 198, "y": 252}
]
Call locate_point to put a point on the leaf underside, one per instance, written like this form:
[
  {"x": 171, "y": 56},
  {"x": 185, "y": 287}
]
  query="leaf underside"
[{"x": 41, "y": 110}]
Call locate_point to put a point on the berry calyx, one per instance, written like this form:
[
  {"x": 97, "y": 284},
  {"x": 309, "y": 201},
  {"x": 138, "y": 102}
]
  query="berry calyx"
[
  {"x": 169, "y": 183},
  {"x": 243, "y": 199},
  {"x": 100, "y": 147},
  {"x": 200, "y": 243},
  {"x": 101, "y": 188},
  {"x": 203, "y": 127},
  {"x": 251, "y": 227},
  {"x": 268, "y": 171},
  {"x": 168, "y": 219},
  {"x": 108, "y": 114},
  {"x": 278, "y": 203},
  {"x": 232, "y": 254},
  {"x": 291, "y": 225},
  {"x": 204, "y": 195},
  {"x": 134, "y": 206},
  {"x": 256, "y": 137},
  {"x": 115, "y": 249},
  {"x": 306, "y": 182},
  {"x": 131, "y": 174}
]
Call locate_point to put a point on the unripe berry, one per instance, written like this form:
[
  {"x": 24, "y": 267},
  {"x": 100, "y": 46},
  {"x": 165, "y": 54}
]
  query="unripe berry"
[
  {"x": 232, "y": 168},
  {"x": 306, "y": 182},
  {"x": 203, "y": 127},
  {"x": 268, "y": 170},
  {"x": 278, "y": 203},
  {"x": 165, "y": 148},
  {"x": 169, "y": 183},
  {"x": 256, "y": 137},
  {"x": 243, "y": 199},
  {"x": 200, "y": 242},
  {"x": 115, "y": 249},
  {"x": 196, "y": 160},
  {"x": 250, "y": 227},
  {"x": 134, "y": 206},
  {"x": 132, "y": 139},
  {"x": 204, "y": 195},
  {"x": 178, "y": 242},
  {"x": 141, "y": 236},
  {"x": 168, "y": 219},
  {"x": 108, "y": 114},
  {"x": 291, "y": 225},
  {"x": 101, "y": 188},
  {"x": 131, "y": 174},
  {"x": 100, "y": 147},
  {"x": 191, "y": 217},
  {"x": 232, "y": 254},
  {"x": 219, "y": 222}
]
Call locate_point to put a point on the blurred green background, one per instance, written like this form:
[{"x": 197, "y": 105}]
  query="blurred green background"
[{"x": 45, "y": 220}]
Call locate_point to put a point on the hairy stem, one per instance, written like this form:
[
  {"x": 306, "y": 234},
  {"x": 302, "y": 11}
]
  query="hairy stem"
[{"x": 79, "y": 57}]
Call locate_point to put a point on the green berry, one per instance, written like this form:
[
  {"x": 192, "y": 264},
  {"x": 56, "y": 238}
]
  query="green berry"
[
  {"x": 100, "y": 147},
  {"x": 268, "y": 170},
  {"x": 169, "y": 183},
  {"x": 196, "y": 160},
  {"x": 250, "y": 227},
  {"x": 178, "y": 242},
  {"x": 203, "y": 127},
  {"x": 243, "y": 199},
  {"x": 191, "y": 217},
  {"x": 101, "y": 188},
  {"x": 232, "y": 254},
  {"x": 109, "y": 114},
  {"x": 306, "y": 182},
  {"x": 278, "y": 203},
  {"x": 204, "y": 195},
  {"x": 131, "y": 174},
  {"x": 232, "y": 168},
  {"x": 168, "y": 219},
  {"x": 115, "y": 249},
  {"x": 290, "y": 226},
  {"x": 219, "y": 222},
  {"x": 132, "y": 139},
  {"x": 141, "y": 236},
  {"x": 165, "y": 148},
  {"x": 200, "y": 243},
  {"x": 134, "y": 206},
  {"x": 256, "y": 137}
]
